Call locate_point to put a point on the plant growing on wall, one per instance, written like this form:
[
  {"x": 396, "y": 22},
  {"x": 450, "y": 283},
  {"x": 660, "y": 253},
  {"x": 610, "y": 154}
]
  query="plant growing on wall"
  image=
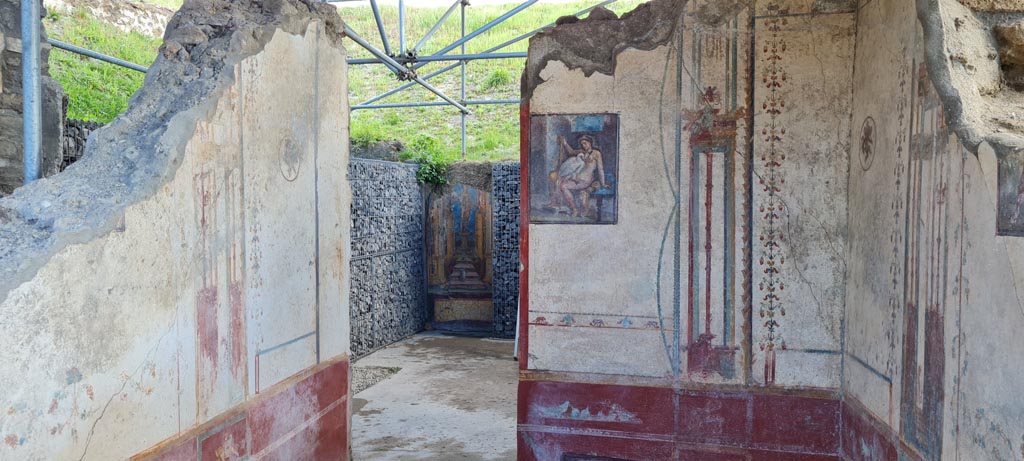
[{"x": 427, "y": 151}]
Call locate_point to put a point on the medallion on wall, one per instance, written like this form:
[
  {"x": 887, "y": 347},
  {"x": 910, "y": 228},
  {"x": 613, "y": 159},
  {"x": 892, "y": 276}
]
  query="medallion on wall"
[
  {"x": 867, "y": 143},
  {"x": 574, "y": 169},
  {"x": 290, "y": 158}
]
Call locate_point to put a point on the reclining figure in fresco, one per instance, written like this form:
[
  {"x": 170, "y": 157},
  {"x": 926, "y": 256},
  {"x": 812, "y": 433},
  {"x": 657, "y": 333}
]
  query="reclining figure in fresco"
[{"x": 574, "y": 179}]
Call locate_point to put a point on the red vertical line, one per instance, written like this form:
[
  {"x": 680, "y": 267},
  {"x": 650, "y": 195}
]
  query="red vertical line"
[
  {"x": 524, "y": 234},
  {"x": 707, "y": 244},
  {"x": 691, "y": 272},
  {"x": 934, "y": 239}
]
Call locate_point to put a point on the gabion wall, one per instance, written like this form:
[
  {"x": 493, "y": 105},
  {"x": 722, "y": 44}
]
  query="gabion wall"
[
  {"x": 505, "y": 257},
  {"x": 388, "y": 299}
]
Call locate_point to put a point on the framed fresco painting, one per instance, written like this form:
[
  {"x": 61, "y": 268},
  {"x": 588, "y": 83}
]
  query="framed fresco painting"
[{"x": 574, "y": 166}]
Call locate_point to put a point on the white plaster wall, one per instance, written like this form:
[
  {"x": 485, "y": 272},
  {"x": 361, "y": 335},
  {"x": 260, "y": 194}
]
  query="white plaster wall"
[
  {"x": 982, "y": 414},
  {"x": 103, "y": 348},
  {"x": 611, "y": 272},
  {"x": 816, "y": 65}
]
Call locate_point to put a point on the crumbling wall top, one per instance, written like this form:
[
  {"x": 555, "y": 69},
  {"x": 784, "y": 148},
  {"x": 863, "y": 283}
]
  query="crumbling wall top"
[
  {"x": 128, "y": 160},
  {"x": 593, "y": 43}
]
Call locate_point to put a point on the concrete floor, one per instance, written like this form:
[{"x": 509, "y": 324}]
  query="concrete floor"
[{"x": 453, "y": 399}]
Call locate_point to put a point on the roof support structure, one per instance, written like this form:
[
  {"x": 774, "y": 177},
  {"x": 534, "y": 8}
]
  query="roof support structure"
[{"x": 405, "y": 64}]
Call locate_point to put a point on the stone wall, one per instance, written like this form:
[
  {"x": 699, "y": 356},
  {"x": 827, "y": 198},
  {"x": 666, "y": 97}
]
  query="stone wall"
[
  {"x": 12, "y": 148},
  {"x": 76, "y": 133},
  {"x": 388, "y": 292},
  {"x": 182, "y": 291},
  {"x": 505, "y": 256}
]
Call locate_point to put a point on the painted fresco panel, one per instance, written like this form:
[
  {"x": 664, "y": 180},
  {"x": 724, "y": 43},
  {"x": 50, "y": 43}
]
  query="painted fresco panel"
[
  {"x": 877, "y": 201},
  {"x": 580, "y": 152},
  {"x": 150, "y": 337},
  {"x": 801, "y": 158},
  {"x": 280, "y": 257},
  {"x": 460, "y": 244}
]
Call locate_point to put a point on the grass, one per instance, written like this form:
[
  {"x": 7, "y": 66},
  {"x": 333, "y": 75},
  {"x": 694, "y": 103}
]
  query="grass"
[
  {"x": 97, "y": 91},
  {"x": 100, "y": 91}
]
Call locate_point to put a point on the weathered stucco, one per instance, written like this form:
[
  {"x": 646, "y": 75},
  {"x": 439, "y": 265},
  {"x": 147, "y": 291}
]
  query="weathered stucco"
[
  {"x": 617, "y": 270},
  {"x": 721, "y": 280},
  {"x": 933, "y": 305},
  {"x": 198, "y": 254}
]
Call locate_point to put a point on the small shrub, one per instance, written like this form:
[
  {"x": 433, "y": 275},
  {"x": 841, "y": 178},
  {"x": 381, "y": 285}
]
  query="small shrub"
[
  {"x": 499, "y": 77},
  {"x": 428, "y": 152}
]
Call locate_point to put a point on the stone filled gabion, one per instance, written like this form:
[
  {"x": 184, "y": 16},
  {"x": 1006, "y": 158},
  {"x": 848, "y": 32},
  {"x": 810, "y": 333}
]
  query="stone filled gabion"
[
  {"x": 505, "y": 256},
  {"x": 388, "y": 300},
  {"x": 76, "y": 133}
]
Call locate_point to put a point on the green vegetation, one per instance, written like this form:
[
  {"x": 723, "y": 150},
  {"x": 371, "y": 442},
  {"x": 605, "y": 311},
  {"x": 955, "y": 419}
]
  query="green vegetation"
[
  {"x": 433, "y": 159},
  {"x": 100, "y": 91},
  {"x": 97, "y": 91},
  {"x": 170, "y": 4}
]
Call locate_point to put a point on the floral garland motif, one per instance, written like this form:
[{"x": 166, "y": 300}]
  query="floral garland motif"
[
  {"x": 772, "y": 257},
  {"x": 896, "y": 237}
]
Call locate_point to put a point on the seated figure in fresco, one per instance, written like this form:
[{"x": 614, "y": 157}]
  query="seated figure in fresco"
[{"x": 575, "y": 177}]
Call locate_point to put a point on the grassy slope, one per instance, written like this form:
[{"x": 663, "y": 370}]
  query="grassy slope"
[
  {"x": 100, "y": 91},
  {"x": 97, "y": 91}
]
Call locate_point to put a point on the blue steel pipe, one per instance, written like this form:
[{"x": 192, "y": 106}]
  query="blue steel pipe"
[
  {"x": 447, "y": 57},
  {"x": 95, "y": 55},
  {"x": 388, "y": 61},
  {"x": 401, "y": 26},
  {"x": 380, "y": 27},
  {"x": 437, "y": 25},
  {"x": 32, "y": 106},
  {"x": 397, "y": 105},
  {"x": 481, "y": 30},
  {"x": 489, "y": 50}
]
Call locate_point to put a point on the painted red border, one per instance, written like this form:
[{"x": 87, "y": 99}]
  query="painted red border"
[
  {"x": 303, "y": 417},
  {"x": 524, "y": 235},
  {"x": 865, "y": 437},
  {"x": 636, "y": 422}
]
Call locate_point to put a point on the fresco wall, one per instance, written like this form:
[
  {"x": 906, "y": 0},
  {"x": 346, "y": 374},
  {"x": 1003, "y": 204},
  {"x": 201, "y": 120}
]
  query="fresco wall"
[
  {"x": 208, "y": 231},
  {"x": 459, "y": 257},
  {"x": 932, "y": 305},
  {"x": 705, "y": 320}
]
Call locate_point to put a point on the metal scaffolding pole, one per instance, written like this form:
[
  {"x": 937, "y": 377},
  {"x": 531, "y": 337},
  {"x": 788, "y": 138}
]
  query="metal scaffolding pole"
[
  {"x": 481, "y": 30},
  {"x": 380, "y": 27},
  {"x": 399, "y": 105},
  {"x": 447, "y": 57},
  {"x": 95, "y": 55},
  {"x": 437, "y": 25},
  {"x": 402, "y": 70},
  {"x": 366, "y": 104},
  {"x": 401, "y": 26},
  {"x": 32, "y": 107},
  {"x": 462, "y": 91}
]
